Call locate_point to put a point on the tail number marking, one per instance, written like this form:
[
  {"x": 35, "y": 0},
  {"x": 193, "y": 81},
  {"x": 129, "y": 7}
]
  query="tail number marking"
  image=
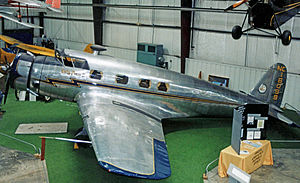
[{"x": 279, "y": 82}]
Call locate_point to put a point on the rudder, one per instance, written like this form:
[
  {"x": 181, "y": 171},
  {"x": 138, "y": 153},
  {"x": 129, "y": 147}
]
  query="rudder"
[{"x": 271, "y": 87}]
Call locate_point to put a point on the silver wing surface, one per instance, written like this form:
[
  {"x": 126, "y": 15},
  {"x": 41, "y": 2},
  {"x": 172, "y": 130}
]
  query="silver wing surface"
[
  {"x": 126, "y": 141},
  {"x": 14, "y": 19}
]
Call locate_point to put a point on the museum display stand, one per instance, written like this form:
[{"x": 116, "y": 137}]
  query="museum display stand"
[{"x": 253, "y": 154}]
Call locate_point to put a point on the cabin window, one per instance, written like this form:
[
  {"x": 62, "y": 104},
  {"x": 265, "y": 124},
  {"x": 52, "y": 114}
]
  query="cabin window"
[
  {"x": 161, "y": 86},
  {"x": 145, "y": 83},
  {"x": 96, "y": 74},
  {"x": 80, "y": 63},
  {"x": 121, "y": 79}
]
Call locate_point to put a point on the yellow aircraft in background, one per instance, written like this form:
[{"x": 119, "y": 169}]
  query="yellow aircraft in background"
[{"x": 14, "y": 46}]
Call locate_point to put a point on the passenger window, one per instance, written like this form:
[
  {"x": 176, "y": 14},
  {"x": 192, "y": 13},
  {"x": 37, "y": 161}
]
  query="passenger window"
[
  {"x": 121, "y": 79},
  {"x": 67, "y": 62},
  {"x": 145, "y": 83},
  {"x": 163, "y": 86},
  {"x": 96, "y": 74}
]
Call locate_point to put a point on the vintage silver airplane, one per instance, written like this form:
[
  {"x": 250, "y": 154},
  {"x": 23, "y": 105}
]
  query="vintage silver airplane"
[
  {"x": 11, "y": 9},
  {"x": 123, "y": 103}
]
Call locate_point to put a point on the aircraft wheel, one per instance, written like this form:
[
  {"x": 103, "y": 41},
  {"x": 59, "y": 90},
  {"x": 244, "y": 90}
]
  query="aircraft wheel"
[
  {"x": 286, "y": 37},
  {"x": 237, "y": 32}
]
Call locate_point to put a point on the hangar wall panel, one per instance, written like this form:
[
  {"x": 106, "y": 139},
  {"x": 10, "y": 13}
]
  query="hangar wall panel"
[
  {"x": 73, "y": 28},
  {"x": 124, "y": 28},
  {"x": 243, "y": 78},
  {"x": 126, "y": 54},
  {"x": 173, "y": 62}
]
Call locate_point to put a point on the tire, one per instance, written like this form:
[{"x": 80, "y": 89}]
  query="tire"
[
  {"x": 236, "y": 32},
  {"x": 286, "y": 37}
]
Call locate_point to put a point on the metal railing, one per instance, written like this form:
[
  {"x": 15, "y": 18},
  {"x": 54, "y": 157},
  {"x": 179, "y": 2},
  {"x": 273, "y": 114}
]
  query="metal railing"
[{"x": 19, "y": 140}]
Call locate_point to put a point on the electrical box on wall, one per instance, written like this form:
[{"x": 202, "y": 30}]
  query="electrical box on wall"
[{"x": 151, "y": 54}]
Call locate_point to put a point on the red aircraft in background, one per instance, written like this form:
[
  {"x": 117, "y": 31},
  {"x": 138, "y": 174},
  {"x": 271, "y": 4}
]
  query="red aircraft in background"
[{"x": 12, "y": 9}]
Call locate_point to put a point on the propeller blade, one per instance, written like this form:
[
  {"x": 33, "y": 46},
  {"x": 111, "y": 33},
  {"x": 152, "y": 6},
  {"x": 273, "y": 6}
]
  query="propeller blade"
[{"x": 235, "y": 5}]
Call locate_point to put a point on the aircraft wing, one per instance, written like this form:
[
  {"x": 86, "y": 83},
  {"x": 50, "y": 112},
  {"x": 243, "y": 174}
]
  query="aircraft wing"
[
  {"x": 37, "y": 49},
  {"x": 125, "y": 141},
  {"x": 283, "y": 15},
  {"x": 10, "y": 40},
  {"x": 31, "y": 48},
  {"x": 14, "y": 19}
]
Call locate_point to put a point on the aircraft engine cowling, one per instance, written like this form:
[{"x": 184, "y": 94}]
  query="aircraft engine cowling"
[
  {"x": 20, "y": 71},
  {"x": 20, "y": 83}
]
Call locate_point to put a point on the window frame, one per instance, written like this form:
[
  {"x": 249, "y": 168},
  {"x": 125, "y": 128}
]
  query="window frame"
[
  {"x": 124, "y": 78},
  {"x": 149, "y": 84},
  {"x": 99, "y": 73},
  {"x": 167, "y": 85}
]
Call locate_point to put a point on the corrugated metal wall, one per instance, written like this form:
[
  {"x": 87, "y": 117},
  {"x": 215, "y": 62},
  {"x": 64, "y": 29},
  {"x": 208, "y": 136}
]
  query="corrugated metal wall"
[
  {"x": 127, "y": 36},
  {"x": 71, "y": 28}
]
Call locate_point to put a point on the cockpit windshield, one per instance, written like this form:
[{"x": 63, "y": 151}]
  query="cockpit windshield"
[{"x": 75, "y": 62}]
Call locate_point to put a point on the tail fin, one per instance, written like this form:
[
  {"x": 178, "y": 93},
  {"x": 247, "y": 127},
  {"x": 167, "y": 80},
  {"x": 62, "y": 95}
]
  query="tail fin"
[
  {"x": 54, "y": 3},
  {"x": 271, "y": 87}
]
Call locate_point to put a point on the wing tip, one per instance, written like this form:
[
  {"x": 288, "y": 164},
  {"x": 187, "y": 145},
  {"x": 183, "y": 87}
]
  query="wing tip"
[{"x": 162, "y": 165}]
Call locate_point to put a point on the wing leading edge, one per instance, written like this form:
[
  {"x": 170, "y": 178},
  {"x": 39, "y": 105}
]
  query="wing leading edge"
[
  {"x": 125, "y": 141},
  {"x": 14, "y": 19}
]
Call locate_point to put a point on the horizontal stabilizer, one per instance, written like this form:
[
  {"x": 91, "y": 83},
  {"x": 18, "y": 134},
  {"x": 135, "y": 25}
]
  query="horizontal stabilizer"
[{"x": 278, "y": 115}]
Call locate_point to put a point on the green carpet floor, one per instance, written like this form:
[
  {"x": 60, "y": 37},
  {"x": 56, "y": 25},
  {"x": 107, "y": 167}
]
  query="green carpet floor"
[{"x": 191, "y": 143}]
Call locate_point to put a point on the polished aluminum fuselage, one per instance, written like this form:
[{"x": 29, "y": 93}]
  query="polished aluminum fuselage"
[{"x": 186, "y": 96}]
